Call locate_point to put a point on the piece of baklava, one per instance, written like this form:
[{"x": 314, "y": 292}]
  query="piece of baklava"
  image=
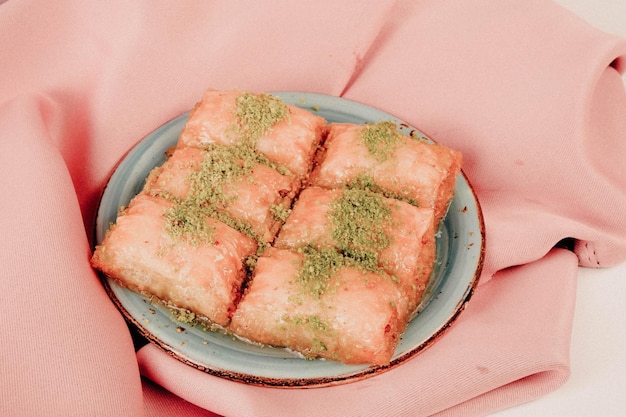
[
  {"x": 378, "y": 157},
  {"x": 317, "y": 303},
  {"x": 178, "y": 255}
]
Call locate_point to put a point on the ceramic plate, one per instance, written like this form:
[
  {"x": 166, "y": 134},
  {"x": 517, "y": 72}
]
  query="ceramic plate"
[{"x": 460, "y": 249}]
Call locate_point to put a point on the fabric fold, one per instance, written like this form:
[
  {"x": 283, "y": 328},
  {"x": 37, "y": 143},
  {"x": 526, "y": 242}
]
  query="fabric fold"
[
  {"x": 499, "y": 342},
  {"x": 60, "y": 328}
]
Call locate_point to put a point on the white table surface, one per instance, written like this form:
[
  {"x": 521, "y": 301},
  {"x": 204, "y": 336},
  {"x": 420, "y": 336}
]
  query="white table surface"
[{"x": 597, "y": 385}]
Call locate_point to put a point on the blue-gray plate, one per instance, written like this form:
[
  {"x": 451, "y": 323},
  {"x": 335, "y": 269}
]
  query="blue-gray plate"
[{"x": 460, "y": 252}]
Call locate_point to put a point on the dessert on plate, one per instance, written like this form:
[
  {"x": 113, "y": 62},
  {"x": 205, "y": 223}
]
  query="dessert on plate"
[{"x": 287, "y": 231}]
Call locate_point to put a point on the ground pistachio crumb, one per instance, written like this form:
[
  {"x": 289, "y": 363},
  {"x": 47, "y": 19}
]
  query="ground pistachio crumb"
[
  {"x": 251, "y": 261},
  {"x": 221, "y": 165},
  {"x": 318, "y": 267},
  {"x": 359, "y": 219},
  {"x": 280, "y": 212},
  {"x": 207, "y": 196},
  {"x": 317, "y": 346},
  {"x": 189, "y": 223},
  {"x": 365, "y": 182},
  {"x": 257, "y": 113},
  {"x": 313, "y": 322},
  {"x": 381, "y": 139},
  {"x": 184, "y": 316}
]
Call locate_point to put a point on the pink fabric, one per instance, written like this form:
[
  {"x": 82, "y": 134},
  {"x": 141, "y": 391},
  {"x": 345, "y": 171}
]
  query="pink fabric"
[{"x": 531, "y": 94}]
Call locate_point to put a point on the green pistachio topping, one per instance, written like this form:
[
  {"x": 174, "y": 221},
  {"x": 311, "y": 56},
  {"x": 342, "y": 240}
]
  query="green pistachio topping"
[
  {"x": 381, "y": 139},
  {"x": 313, "y": 322},
  {"x": 187, "y": 219},
  {"x": 280, "y": 212},
  {"x": 318, "y": 267},
  {"x": 365, "y": 182},
  {"x": 359, "y": 220},
  {"x": 257, "y": 113},
  {"x": 189, "y": 224}
]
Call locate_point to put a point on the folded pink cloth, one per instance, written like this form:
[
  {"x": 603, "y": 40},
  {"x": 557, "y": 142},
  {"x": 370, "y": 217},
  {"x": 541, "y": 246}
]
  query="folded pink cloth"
[{"x": 531, "y": 95}]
